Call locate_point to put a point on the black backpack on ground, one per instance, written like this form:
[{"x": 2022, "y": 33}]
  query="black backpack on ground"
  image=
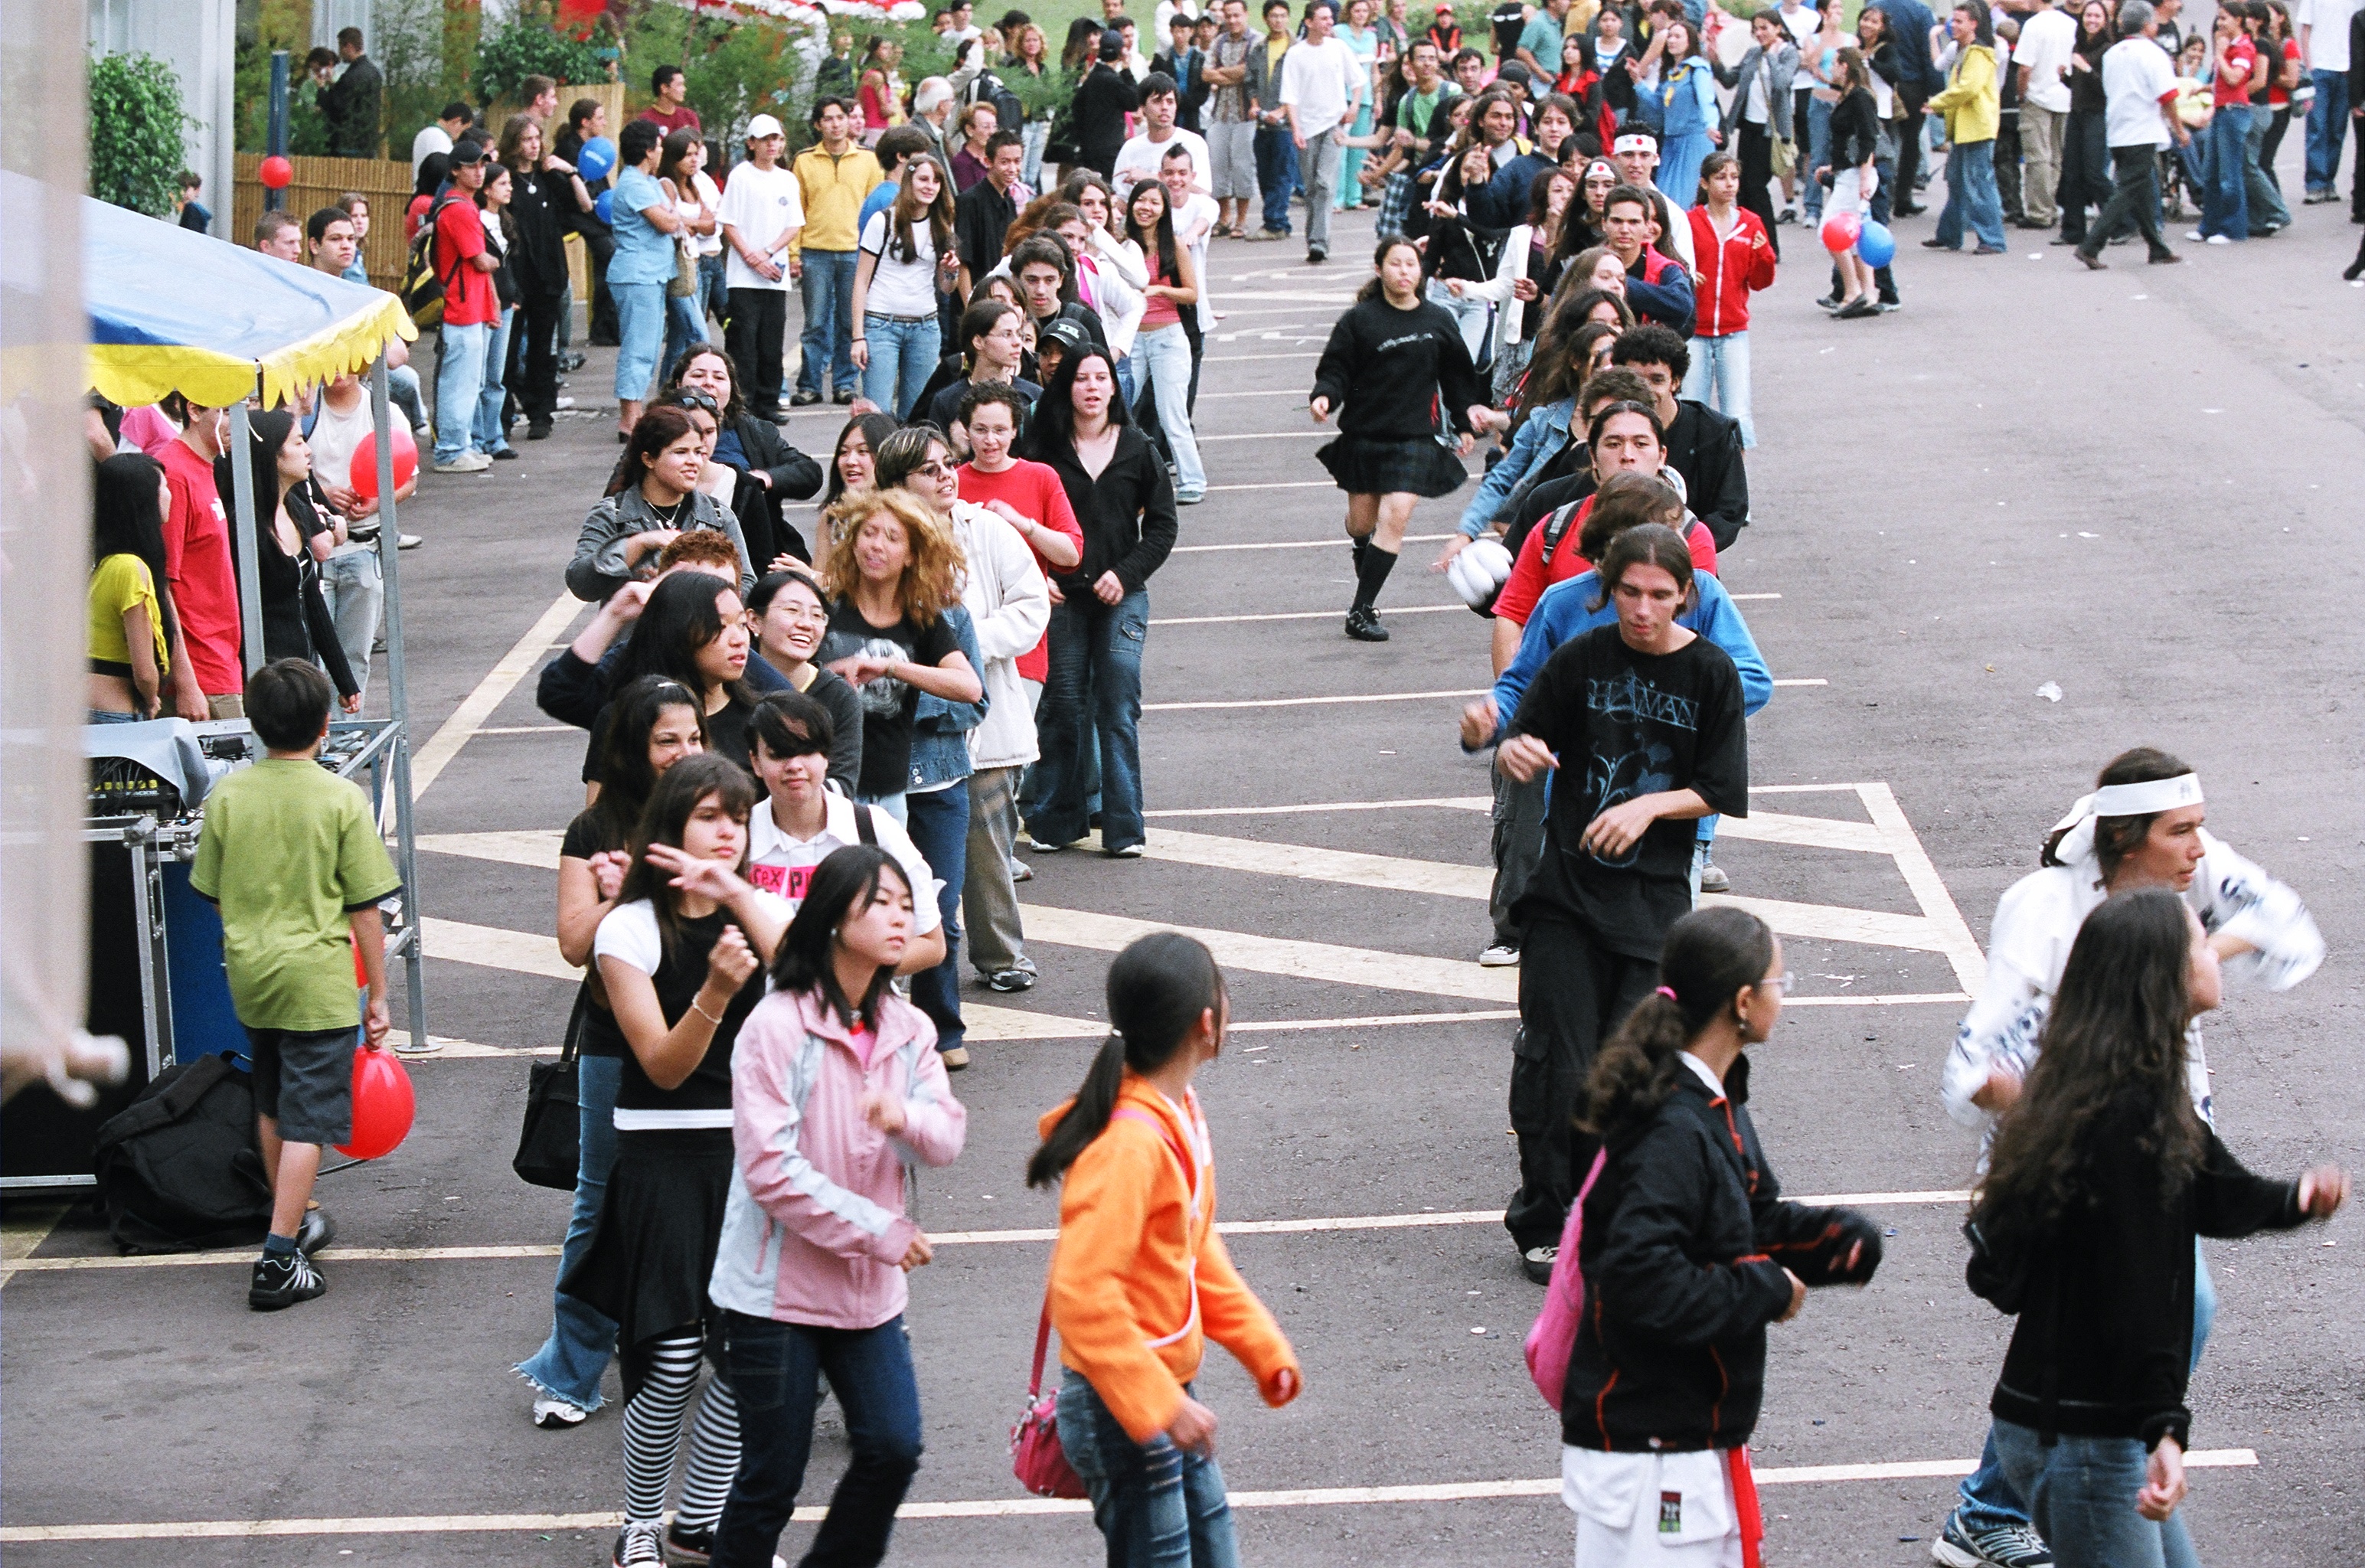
[{"x": 178, "y": 1170}]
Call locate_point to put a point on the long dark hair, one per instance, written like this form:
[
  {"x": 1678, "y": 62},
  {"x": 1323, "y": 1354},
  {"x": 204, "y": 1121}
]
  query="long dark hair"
[
  {"x": 1161, "y": 240},
  {"x": 1157, "y": 989},
  {"x": 842, "y": 885},
  {"x": 267, "y": 432},
  {"x": 1054, "y": 425},
  {"x": 677, "y": 795},
  {"x": 626, "y": 781},
  {"x": 1708, "y": 956},
  {"x": 1645, "y": 544},
  {"x": 2116, "y": 838},
  {"x": 875, "y": 429},
  {"x": 689, "y": 357},
  {"x": 659, "y": 427},
  {"x": 681, "y": 617},
  {"x": 125, "y": 519},
  {"x": 2115, "y": 1035},
  {"x": 937, "y": 215}
]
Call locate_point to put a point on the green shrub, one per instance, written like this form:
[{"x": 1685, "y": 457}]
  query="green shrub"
[
  {"x": 137, "y": 123},
  {"x": 527, "y": 47}
]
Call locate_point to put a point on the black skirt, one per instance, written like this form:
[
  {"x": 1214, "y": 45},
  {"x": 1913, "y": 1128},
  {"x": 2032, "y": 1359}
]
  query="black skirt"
[
  {"x": 1364, "y": 466},
  {"x": 654, "y": 1252}
]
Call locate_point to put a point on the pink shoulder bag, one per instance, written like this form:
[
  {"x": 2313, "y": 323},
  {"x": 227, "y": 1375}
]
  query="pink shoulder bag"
[{"x": 1553, "y": 1337}]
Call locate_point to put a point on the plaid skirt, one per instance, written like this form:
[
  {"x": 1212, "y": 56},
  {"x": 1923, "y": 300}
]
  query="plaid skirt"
[{"x": 1365, "y": 467}]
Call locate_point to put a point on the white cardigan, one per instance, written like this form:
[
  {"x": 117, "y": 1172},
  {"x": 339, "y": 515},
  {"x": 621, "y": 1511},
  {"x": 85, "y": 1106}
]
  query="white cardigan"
[{"x": 1010, "y": 604}]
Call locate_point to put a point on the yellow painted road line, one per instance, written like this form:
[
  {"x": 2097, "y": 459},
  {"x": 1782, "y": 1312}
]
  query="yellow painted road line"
[
  {"x": 428, "y": 764},
  {"x": 998, "y": 1508}
]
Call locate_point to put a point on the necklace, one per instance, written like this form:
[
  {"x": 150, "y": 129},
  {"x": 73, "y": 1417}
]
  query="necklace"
[{"x": 668, "y": 516}]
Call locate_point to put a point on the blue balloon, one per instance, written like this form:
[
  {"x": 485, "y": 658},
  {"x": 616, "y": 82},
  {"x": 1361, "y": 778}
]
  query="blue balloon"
[
  {"x": 605, "y": 205},
  {"x": 595, "y": 159},
  {"x": 1876, "y": 245}
]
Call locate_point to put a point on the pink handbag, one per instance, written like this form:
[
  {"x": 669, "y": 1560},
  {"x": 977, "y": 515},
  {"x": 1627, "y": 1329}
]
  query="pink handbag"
[
  {"x": 1035, "y": 1457},
  {"x": 1554, "y": 1336}
]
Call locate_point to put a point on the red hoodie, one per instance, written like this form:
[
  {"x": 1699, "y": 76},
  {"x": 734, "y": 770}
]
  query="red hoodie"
[{"x": 1730, "y": 270}]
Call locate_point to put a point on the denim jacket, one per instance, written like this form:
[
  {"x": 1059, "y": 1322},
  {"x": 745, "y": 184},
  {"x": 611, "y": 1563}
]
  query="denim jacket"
[
  {"x": 1537, "y": 441},
  {"x": 940, "y": 729}
]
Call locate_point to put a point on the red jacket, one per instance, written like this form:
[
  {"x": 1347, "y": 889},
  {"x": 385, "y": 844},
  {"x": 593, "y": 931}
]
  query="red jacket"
[{"x": 1729, "y": 271}]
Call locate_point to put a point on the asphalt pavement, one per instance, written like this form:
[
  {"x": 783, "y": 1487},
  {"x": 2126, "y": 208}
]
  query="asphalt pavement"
[{"x": 2140, "y": 487}]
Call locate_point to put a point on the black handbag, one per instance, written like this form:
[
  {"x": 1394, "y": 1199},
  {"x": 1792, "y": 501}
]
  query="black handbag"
[{"x": 550, "y": 1143}]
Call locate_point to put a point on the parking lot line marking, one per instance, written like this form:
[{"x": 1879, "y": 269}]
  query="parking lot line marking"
[
  {"x": 1930, "y": 891},
  {"x": 1302, "y": 615},
  {"x": 1283, "y": 485},
  {"x": 1338, "y": 541},
  {"x": 1268, "y": 435},
  {"x": 1455, "y": 802},
  {"x": 1001, "y": 1507},
  {"x": 1802, "y": 683},
  {"x": 1308, "y": 701},
  {"x": 531, "y": 729},
  {"x": 428, "y": 764},
  {"x": 1252, "y": 358},
  {"x": 1742, "y": 595},
  {"x": 1364, "y": 967}
]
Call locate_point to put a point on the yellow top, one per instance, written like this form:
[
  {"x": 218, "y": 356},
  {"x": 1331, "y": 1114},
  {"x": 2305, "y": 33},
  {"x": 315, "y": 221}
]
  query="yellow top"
[
  {"x": 832, "y": 188},
  {"x": 121, "y": 581}
]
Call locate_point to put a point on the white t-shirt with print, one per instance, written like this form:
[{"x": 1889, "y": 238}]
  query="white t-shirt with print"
[
  {"x": 762, "y": 205},
  {"x": 899, "y": 287},
  {"x": 783, "y": 866}
]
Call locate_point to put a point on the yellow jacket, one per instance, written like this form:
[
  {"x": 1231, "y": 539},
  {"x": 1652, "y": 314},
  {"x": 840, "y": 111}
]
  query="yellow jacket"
[
  {"x": 1971, "y": 101},
  {"x": 832, "y": 189},
  {"x": 1120, "y": 1293}
]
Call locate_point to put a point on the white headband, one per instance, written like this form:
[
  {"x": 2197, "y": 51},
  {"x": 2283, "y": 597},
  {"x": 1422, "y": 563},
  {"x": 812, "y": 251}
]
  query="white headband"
[
  {"x": 1634, "y": 144},
  {"x": 2146, "y": 799}
]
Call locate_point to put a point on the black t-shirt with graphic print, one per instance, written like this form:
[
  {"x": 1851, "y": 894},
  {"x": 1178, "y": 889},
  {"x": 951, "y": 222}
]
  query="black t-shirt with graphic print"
[
  {"x": 1625, "y": 724},
  {"x": 887, "y": 703}
]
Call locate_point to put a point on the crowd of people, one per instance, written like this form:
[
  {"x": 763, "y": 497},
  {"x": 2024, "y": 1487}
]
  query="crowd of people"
[{"x": 818, "y": 743}]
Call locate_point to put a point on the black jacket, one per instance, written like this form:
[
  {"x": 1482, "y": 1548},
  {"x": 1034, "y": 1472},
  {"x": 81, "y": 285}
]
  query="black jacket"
[
  {"x": 1855, "y": 131},
  {"x": 542, "y": 204},
  {"x": 1704, "y": 446},
  {"x": 1103, "y": 100},
  {"x": 1191, "y": 89},
  {"x": 1686, "y": 1240},
  {"x": 350, "y": 105},
  {"x": 2105, "y": 1341},
  {"x": 1128, "y": 514},
  {"x": 794, "y": 476}
]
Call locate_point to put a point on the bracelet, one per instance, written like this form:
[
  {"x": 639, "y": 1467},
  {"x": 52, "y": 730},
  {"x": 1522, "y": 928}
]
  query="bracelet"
[{"x": 702, "y": 1013}]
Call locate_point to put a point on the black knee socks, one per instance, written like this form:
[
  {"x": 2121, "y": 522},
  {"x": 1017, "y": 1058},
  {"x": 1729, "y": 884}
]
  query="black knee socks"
[{"x": 1373, "y": 562}]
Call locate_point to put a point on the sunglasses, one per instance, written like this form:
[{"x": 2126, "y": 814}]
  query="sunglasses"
[{"x": 689, "y": 397}]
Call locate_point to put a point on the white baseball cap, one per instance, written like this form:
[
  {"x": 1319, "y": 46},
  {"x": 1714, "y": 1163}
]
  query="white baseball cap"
[{"x": 763, "y": 125}]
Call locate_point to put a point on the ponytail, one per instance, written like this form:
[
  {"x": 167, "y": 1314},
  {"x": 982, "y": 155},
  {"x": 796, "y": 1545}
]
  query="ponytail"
[
  {"x": 1708, "y": 955},
  {"x": 1158, "y": 990}
]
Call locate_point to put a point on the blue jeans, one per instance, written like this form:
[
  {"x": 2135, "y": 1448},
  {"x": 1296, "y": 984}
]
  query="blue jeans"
[
  {"x": 775, "y": 1371},
  {"x": 714, "y": 293},
  {"x": 1034, "y": 135},
  {"x": 1971, "y": 196},
  {"x": 457, "y": 381},
  {"x": 1722, "y": 366},
  {"x": 490, "y": 435},
  {"x": 903, "y": 354},
  {"x": 1156, "y": 1506},
  {"x": 827, "y": 287},
  {"x": 1162, "y": 358},
  {"x": 2225, "y": 205},
  {"x": 2327, "y": 127},
  {"x": 895, "y": 805},
  {"x": 640, "y": 328},
  {"x": 1819, "y": 152},
  {"x": 2081, "y": 1494},
  {"x": 581, "y": 1342},
  {"x": 402, "y": 391},
  {"x": 2265, "y": 198},
  {"x": 1096, "y": 657},
  {"x": 939, "y": 828},
  {"x": 1276, "y": 161},
  {"x": 685, "y": 326}
]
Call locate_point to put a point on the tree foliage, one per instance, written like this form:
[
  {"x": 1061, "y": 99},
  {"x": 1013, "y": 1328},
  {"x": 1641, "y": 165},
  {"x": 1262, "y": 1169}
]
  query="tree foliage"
[
  {"x": 138, "y": 119},
  {"x": 530, "y": 46}
]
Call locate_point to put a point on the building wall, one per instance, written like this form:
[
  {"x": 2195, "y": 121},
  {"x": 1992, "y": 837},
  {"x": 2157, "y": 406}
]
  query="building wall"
[{"x": 198, "y": 39}]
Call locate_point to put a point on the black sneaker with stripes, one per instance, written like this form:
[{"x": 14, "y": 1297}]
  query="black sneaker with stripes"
[{"x": 283, "y": 1281}]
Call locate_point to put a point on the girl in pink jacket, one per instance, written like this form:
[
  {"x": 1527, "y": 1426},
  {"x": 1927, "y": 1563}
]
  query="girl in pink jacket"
[{"x": 836, "y": 1091}]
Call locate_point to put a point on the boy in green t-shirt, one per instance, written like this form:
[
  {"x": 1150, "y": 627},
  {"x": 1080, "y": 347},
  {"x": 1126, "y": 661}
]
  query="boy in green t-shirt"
[{"x": 291, "y": 854}]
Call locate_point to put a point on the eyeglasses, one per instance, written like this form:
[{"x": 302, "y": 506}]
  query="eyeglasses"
[
  {"x": 1785, "y": 982},
  {"x": 934, "y": 469}
]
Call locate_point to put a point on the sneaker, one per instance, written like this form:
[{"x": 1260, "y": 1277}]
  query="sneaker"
[
  {"x": 1006, "y": 980},
  {"x": 1263, "y": 235},
  {"x": 570, "y": 362},
  {"x": 408, "y": 542},
  {"x": 1315, "y": 255},
  {"x": 1890, "y": 307},
  {"x": 1537, "y": 1262},
  {"x": 639, "y": 1545},
  {"x": 842, "y": 397},
  {"x": 467, "y": 463},
  {"x": 316, "y": 1231},
  {"x": 1034, "y": 845},
  {"x": 1992, "y": 251},
  {"x": 2221, "y": 239},
  {"x": 1829, "y": 302},
  {"x": 804, "y": 397},
  {"x": 693, "y": 1545},
  {"x": 562, "y": 402},
  {"x": 2197, "y": 237},
  {"x": 1021, "y": 872},
  {"x": 1498, "y": 956},
  {"x": 953, "y": 1060},
  {"x": 1714, "y": 880},
  {"x": 283, "y": 1281},
  {"x": 2003, "y": 1546},
  {"x": 557, "y": 1415},
  {"x": 1189, "y": 497},
  {"x": 1363, "y": 625},
  {"x": 1125, "y": 851},
  {"x": 505, "y": 454}
]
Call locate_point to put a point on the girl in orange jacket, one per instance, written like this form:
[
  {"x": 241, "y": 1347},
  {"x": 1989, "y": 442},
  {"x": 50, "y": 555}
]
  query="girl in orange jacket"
[{"x": 1139, "y": 1278}]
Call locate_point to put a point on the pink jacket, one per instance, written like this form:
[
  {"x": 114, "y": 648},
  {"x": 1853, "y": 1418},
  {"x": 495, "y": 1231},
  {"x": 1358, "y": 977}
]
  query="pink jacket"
[{"x": 814, "y": 1230}]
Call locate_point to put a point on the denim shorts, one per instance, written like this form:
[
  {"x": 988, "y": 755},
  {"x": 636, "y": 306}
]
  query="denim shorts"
[{"x": 304, "y": 1080}]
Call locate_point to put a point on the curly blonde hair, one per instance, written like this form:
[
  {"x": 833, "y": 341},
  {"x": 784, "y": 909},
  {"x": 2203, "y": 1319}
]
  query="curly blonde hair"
[{"x": 931, "y": 581}]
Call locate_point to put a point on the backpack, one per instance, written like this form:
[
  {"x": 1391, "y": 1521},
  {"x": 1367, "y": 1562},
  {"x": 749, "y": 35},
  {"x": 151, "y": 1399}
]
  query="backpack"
[
  {"x": 422, "y": 286},
  {"x": 178, "y": 1169},
  {"x": 985, "y": 87}
]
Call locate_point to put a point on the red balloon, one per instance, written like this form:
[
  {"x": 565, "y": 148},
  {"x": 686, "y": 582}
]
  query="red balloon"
[
  {"x": 276, "y": 172},
  {"x": 382, "y": 1105},
  {"x": 1839, "y": 231},
  {"x": 362, "y": 475}
]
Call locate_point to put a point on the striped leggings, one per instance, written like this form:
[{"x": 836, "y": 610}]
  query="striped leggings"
[{"x": 653, "y": 1423}]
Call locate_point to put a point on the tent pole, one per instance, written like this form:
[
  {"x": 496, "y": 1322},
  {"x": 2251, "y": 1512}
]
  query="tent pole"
[
  {"x": 244, "y": 532},
  {"x": 389, "y": 546}
]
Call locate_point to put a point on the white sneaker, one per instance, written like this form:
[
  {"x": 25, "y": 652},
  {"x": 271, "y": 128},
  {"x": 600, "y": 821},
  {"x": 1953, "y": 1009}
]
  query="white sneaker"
[
  {"x": 640, "y": 1545},
  {"x": 467, "y": 463},
  {"x": 562, "y": 403},
  {"x": 557, "y": 1415},
  {"x": 1499, "y": 956},
  {"x": 2221, "y": 239}
]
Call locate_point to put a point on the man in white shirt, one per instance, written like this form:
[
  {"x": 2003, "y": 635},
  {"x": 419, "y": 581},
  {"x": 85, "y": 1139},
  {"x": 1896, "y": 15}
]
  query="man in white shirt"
[
  {"x": 1162, "y": 18},
  {"x": 761, "y": 214},
  {"x": 2046, "y": 37},
  {"x": 1322, "y": 84},
  {"x": 960, "y": 28},
  {"x": 437, "y": 138},
  {"x": 1143, "y": 157},
  {"x": 2139, "y": 119},
  {"x": 1195, "y": 223},
  {"x": 2324, "y": 45}
]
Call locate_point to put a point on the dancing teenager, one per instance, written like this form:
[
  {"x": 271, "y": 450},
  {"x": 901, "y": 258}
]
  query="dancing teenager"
[{"x": 1397, "y": 374}]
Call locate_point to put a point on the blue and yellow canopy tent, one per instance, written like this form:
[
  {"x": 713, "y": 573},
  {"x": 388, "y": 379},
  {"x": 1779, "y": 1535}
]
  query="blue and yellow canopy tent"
[{"x": 173, "y": 310}]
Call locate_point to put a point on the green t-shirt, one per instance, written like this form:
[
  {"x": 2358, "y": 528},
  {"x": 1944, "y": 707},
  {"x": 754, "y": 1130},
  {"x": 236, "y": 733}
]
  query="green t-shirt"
[
  {"x": 289, "y": 849},
  {"x": 1542, "y": 39}
]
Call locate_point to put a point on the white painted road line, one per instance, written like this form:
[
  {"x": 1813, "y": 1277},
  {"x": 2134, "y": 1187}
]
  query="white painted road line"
[
  {"x": 1363, "y": 967},
  {"x": 1340, "y": 541},
  {"x": 1307, "y": 701},
  {"x": 1300, "y": 615},
  {"x": 1455, "y": 802},
  {"x": 997, "y": 1507},
  {"x": 1742, "y": 595},
  {"x": 1251, "y": 358},
  {"x": 1283, "y": 485},
  {"x": 1802, "y": 683},
  {"x": 430, "y": 759}
]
